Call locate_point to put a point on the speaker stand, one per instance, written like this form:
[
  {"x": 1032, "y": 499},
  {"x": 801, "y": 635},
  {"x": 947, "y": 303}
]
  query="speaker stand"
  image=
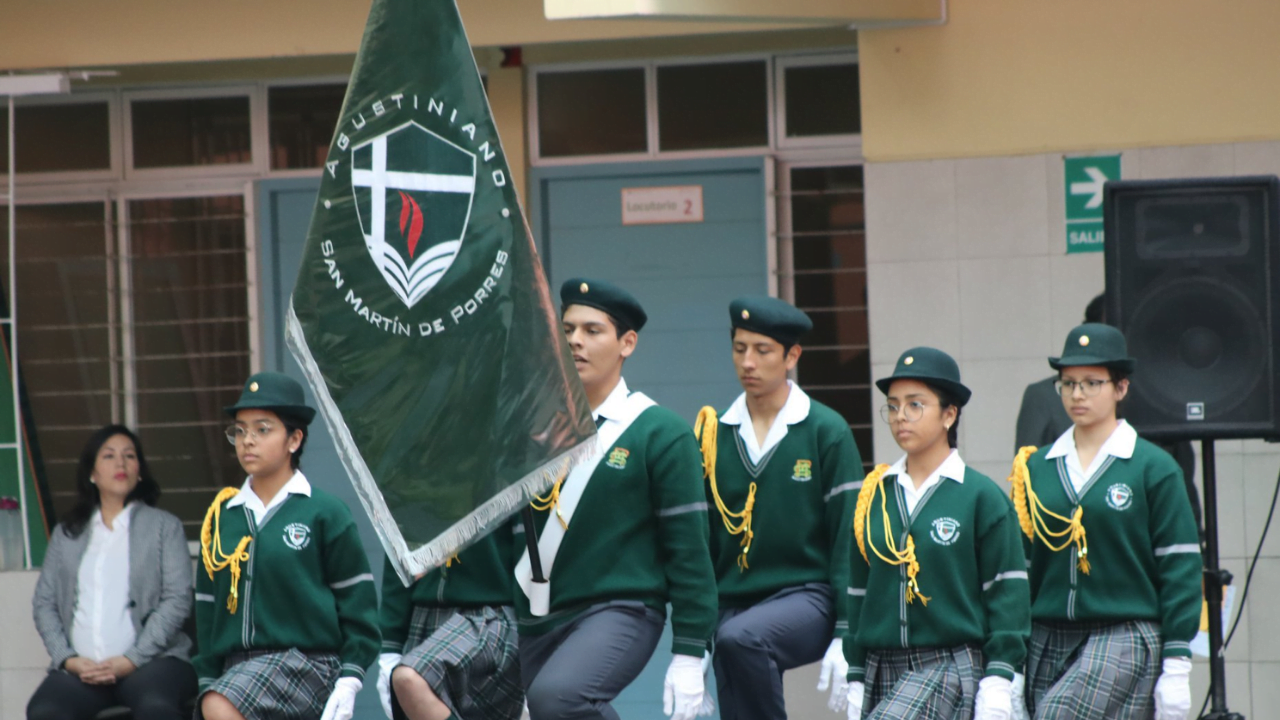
[{"x": 1214, "y": 578}]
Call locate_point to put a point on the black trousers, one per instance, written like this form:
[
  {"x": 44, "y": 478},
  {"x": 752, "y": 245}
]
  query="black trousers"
[{"x": 159, "y": 690}]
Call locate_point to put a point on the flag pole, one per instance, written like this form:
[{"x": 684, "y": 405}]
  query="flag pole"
[{"x": 531, "y": 540}]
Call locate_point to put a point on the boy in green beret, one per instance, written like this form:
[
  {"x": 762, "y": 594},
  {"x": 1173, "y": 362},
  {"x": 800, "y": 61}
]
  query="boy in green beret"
[
  {"x": 623, "y": 535},
  {"x": 783, "y": 472}
]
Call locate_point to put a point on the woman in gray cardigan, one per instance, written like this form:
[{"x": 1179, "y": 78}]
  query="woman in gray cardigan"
[{"x": 114, "y": 593}]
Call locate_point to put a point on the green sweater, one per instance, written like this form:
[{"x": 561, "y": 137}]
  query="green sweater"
[
  {"x": 306, "y": 585},
  {"x": 972, "y": 570},
  {"x": 1144, "y": 549},
  {"x": 805, "y": 492},
  {"x": 639, "y": 533},
  {"x": 481, "y": 576}
]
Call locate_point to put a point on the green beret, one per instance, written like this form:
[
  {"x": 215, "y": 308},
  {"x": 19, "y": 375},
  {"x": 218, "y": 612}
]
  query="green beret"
[
  {"x": 1095, "y": 344},
  {"x": 931, "y": 366},
  {"x": 771, "y": 317},
  {"x": 276, "y": 392},
  {"x": 603, "y": 295}
]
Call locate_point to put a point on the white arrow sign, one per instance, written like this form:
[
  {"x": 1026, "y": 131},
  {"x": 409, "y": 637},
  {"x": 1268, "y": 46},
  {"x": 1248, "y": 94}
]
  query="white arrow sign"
[{"x": 1092, "y": 187}]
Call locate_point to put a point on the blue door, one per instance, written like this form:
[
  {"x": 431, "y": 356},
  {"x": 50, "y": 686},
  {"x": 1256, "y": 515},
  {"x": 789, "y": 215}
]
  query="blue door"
[{"x": 683, "y": 274}]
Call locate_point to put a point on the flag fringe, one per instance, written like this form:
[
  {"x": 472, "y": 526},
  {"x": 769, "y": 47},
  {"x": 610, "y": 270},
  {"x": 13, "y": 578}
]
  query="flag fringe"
[
  {"x": 409, "y": 563},
  {"x": 497, "y": 509}
]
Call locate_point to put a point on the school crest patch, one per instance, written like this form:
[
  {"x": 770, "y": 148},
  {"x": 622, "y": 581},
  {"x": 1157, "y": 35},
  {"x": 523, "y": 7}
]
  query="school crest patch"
[
  {"x": 803, "y": 471},
  {"x": 618, "y": 458},
  {"x": 945, "y": 531},
  {"x": 1119, "y": 496},
  {"x": 297, "y": 535}
]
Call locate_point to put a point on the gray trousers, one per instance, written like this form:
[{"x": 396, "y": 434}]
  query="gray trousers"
[
  {"x": 754, "y": 646},
  {"x": 576, "y": 670}
]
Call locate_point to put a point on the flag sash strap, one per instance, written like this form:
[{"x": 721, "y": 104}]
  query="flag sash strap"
[{"x": 575, "y": 485}]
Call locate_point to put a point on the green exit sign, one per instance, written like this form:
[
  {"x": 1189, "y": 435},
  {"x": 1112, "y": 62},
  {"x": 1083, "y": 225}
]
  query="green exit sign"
[{"x": 1083, "y": 178}]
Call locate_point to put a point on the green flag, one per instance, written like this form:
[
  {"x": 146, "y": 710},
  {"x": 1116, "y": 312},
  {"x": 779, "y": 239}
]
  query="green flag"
[{"x": 421, "y": 316}]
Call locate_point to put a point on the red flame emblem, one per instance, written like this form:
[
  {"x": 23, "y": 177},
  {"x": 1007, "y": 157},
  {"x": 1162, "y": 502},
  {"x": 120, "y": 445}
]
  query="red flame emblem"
[{"x": 410, "y": 215}]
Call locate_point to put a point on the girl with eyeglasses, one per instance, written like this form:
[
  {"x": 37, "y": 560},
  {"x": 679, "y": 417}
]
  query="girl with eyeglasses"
[
  {"x": 1113, "y": 551},
  {"x": 286, "y": 609},
  {"x": 939, "y": 606}
]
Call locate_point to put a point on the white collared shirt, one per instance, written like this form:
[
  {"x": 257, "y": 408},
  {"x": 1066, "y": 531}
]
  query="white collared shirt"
[
  {"x": 612, "y": 407},
  {"x": 1120, "y": 445},
  {"x": 297, "y": 485},
  {"x": 101, "y": 627},
  {"x": 951, "y": 468},
  {"x": 794, "y": 410}
]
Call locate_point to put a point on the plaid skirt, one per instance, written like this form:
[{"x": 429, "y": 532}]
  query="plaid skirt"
[
  {"x": 922, "y": 683},
  {"x": 276, "y": 684},
  {"x": 470, "y": 658},
  {"x": 1093, "y": 670}
]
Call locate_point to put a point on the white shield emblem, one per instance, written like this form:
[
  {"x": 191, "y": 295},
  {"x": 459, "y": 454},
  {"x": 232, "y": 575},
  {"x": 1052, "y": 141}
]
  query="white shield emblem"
[
  {"x": 413, "y": 192},
  {"x": 297, "y": 535},
  {"x": 1119, "y": 496},
  {"x": 945, "y": 530}
]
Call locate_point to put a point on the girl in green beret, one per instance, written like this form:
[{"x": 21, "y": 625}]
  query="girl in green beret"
[
  {"x": 286, "y": 610},
  {"x": 938, "y": 601},
  {"x": 1113, "y": 552}
]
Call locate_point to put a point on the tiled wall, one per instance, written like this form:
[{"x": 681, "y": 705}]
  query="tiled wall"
[
  {"x": 970, "y": 256},
  {"x": 22, "y": 656}
]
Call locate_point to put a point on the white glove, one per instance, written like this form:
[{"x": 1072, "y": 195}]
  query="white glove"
[
  {"x": 1173, "y": 690},
  {"x": 853, "y": 697},
  {"x": 708, "y": 702},
  {"x": 834, "y": 670},
  {"x": 342, "y": 701},
  {"x": 995, "y": 699},
  {"x": 386, "y": 663},
  {"x": 684, "y": 688},
  {"x": 1017, "y": 693}
]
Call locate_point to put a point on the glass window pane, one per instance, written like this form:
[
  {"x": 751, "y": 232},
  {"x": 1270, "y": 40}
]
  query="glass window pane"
[
  {"x": 822, "y": 100},
  {"x": 828, "y": 254},
  {"x": 721, "y": 105},
  {"x": 834, "y": 367},
  {"x": 58, "y": 138},
  {"x": 66, "y": 334},
  {"x": 849, "y": 402},
  {"x": 190, "y": 131},
  {"x": 190, "y": 334},
  {"x": 591, "y": 112},
  {"x": 301, "y": 122},
  {"x": 823, "y": 251}
]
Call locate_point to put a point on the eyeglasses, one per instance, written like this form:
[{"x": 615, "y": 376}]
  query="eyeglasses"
[
  {"x": 237, "y": 433},
  {"x": 1090, "y": 388},
  {"x": 912, "y": 411}
]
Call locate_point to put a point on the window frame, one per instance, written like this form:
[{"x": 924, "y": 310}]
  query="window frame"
[
  {"x": 262, "y": 123},
  {"x": 114, "y": 129},
  {"x": 258, "y": 151},
  {"x": 785, "y": 62}
]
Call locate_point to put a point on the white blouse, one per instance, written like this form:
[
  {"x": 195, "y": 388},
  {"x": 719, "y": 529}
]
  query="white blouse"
[{"x": 101, "y": 627}]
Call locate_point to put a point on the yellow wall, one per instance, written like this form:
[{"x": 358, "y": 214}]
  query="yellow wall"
[
  {"x": 97, "y": 33},
  {"x": 1026, "y": 76}
]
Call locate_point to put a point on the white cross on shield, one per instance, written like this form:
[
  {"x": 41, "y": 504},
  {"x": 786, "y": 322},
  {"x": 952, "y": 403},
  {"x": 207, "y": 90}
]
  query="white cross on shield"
[{"x": 409, "y": 272}]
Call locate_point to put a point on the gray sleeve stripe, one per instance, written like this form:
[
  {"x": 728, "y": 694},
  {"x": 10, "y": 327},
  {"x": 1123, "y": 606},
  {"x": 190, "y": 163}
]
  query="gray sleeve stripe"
[
  {"x": 1011, "y": 575},
  {"x": 682, "y": 509},
  {"x": 201, "y": 597},
  {"x": 518, "y": 529},
  {"x": 366, "y": 577},
  {"x": 842, "y": 489},
  {"x": 1178, "y": 549},
  {"x": 858, "y": 592}
]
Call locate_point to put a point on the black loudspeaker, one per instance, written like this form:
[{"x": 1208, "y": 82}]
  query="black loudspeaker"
[{"x": 1192, "y": 271}]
